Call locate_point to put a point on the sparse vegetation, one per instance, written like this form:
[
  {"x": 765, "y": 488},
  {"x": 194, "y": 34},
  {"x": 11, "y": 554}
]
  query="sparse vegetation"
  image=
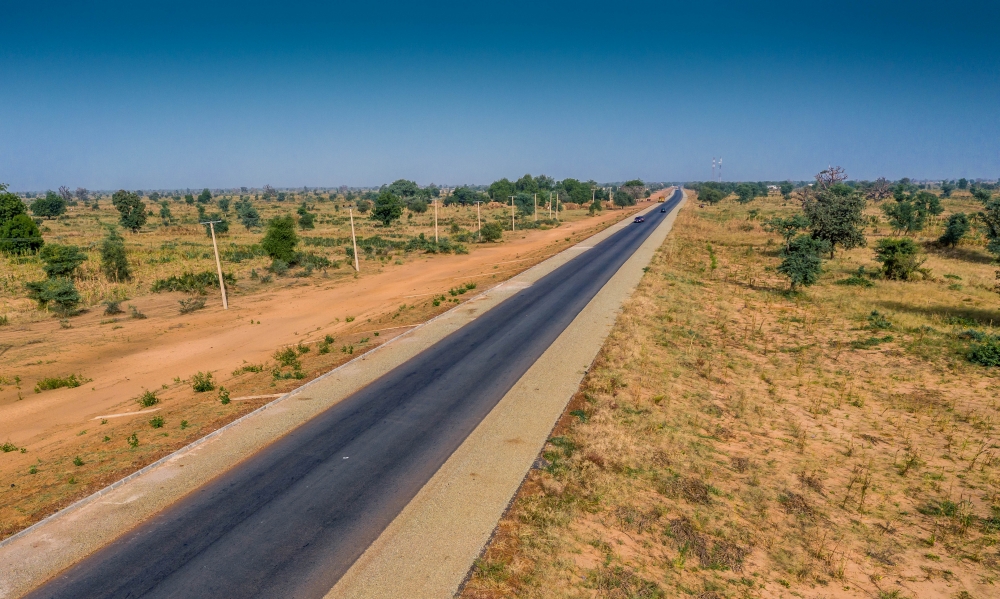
[
  {"x": 202, "y": 382},
  {"x": 56, "y": 382}
]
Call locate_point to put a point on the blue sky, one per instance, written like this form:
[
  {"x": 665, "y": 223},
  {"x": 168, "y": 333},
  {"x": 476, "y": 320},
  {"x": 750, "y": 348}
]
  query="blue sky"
[{"x": 193, "y": 94}]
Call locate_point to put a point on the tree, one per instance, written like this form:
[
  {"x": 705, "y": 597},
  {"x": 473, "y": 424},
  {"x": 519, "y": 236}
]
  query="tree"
[
  {"x": 526, "y": 184},
  {"x": 48, "y": 207},
  {"x": 623, "y": 199},
  {"x": 388, "y": 208},
  {"x": 10, "y": 205},
  {"x": 463, "y": 196},
  {"x": 500, "y": 191},
  {"x": 82, "y": 194},
  {"x": 417, "y": 205},
  {"x": 957, "y": 227},
  {"x": 879, "y": 190},
  {"x": 963, "y": 183},
  {"x": 786, "y": 227},
  {"x": 221, "y": 225},
  {"x": 946, "y": 188},
  {"x": 801, "y": 261},
  {"x": 307, "y": 220},
  {"x": 188, "y": 199},
  {"x": 745, "y": 192},
  {"x": 711, "y": 195},
  {"x": 491, "y": 232},
  {"x": 280, "y": 240},
  {"x": 61, "y": 260},
  {"x": 20, "y": 235},
  {"x": 836, "y": 215},
  {"x": 165, "y": 214},
  {"x": 65, "y": 194},
  {"x": 114, "y": 261},
  {"x": 131, "y": 208},
  {"x": 834, "y": 175},
  {"x": 205, "y": 196},
  {"x": 268, "y": 193},
  {"x": 363, "y": 206},
  {"x": 635, "y": 188},
  {"x": 403, "y": 188},
  {"x": 899, "y": 258},
  {"x": 909, "y": 212},
  {"x": 223, "y": 204},
  {"x": 990, "y": 217},
  {"x": 247, "y": 214},
  {"x": 786, "y": 188}
]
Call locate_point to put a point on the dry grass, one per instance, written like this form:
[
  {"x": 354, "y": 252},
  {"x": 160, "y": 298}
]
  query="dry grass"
[{"x": 730, "y": 441}]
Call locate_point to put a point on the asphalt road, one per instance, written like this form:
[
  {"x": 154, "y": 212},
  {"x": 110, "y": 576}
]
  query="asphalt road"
[{"x": 292, "y": 519}]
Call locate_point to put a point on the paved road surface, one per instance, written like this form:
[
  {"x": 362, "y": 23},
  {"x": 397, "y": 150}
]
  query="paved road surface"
[{"x": 291, "y": 520}]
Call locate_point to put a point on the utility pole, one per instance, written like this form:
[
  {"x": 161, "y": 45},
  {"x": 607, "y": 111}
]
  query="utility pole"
[
  {"x": 713, "y": 168},
  {"x": 435, "y": 220},
  {"x": 720, "y": 170},
  {"x": 557, "y": 206},
  {"x": 512, "y": 228},
  {"x": 550, "y": 205},
  {"x": 354, "y": 241},
  {"x": 218, "y": 264},
  {"x": 479, "y": 222},
  {"x": 536, "y": 207}
]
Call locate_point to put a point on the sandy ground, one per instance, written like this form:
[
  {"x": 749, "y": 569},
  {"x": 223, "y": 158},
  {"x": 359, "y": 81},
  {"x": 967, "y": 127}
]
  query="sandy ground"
[{"x": 145, "y": 354}]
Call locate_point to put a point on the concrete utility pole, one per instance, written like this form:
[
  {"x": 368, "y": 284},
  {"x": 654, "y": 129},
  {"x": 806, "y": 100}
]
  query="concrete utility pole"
[
  {"x": 435, "y": 221},
  {"x": 536, "y": 207},
  {"x": 354, "y": 241},
  {"x": 550, "y": 205},
  {"x": 512, "y": 228},
  {"x": 557, "y": 206},
  {"x": 479, "y": 222},
  {"x": 218, "y": 263}
]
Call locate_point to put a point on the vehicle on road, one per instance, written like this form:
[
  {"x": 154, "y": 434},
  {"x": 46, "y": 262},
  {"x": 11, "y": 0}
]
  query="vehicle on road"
[
  {"x": 640, "y": 219},
  {"x": 663, "y": 209}
]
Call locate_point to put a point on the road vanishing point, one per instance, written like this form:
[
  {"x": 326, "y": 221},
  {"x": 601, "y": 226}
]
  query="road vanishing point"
[{"x": 292, "y": 519}]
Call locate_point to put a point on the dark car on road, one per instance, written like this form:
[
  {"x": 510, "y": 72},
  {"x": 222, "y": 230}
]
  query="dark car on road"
[
  {"x": 640, "y": 219},
  {"x": 663, "y": 209}
]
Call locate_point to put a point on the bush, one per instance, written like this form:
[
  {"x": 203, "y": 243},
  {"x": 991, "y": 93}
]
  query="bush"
[
  {"x": 49, "y": 383},
  {"x": 148, "y": 399},
  {"x": 191, "y": 282},
  {"x": 986, "y": 352},
  {"x": 191, "y": 304},
  {"x": 899, "y": 257},
  {"x": 156, "y": 422},
  {"x": 202, "y": 382},
  {"x": 801, "y": 260},
  {"x": 20, "y": 235},
  {"x": 280, "y": 240},
  {"x": 307, "y": 221},
  {"x": 491, "y": 232},
  {"x": 61, "y": 260},
  {"x": 957, "y": 227},
  {"x": 113, "y": 307},
  {"x": 363, "y": 206},
  {"x": 224, "y": 395},
  {"x": 59, "y": 291},
  {"x": 114, "y": 262},
  {"x": 388, "y": 208}
]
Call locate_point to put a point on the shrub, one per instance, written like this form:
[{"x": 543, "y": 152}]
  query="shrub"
[
  {"x": 287, "y": 357},
  {"x": 50, "y": 383},
  {"x": 60, "y": 292},
  {"x": 148, "y": 399},
  {"x": 133, "y": 440},
  {"x": 135, "y": 313},
  {"x": 247, "y": 214},
  {"x": 114, "y": 262},
  {"x": 491, "y": 232},
  {"x": 20, "y": 235},
  {"x": 156, "y": 422},
  {"x": 363, "y": 206},
  {"x": 957, "y": 227},
  {"x": 202, "y": 382},
  {"x": 388, "y": 208},
  {"x": 113, "y": 307},
  {"x": 985, "y": 353},
  {"x": 278, "y": 267},
  {"x": 899, "y": 257},
  {"x": 280, "y": 240},
  {"x": 191, "y": 282},
  {"x": 221, "y": 227},
  {"x": 307, "y": 221},
  {"x": 224, "y": 395},
  {"x": 801, "y": 261},
  {"x": 61, "y": 260},
  {"x": 191, "y": 304}
]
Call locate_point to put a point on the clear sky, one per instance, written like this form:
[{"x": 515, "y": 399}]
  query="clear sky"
[{"x": 192, "y": 94}]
